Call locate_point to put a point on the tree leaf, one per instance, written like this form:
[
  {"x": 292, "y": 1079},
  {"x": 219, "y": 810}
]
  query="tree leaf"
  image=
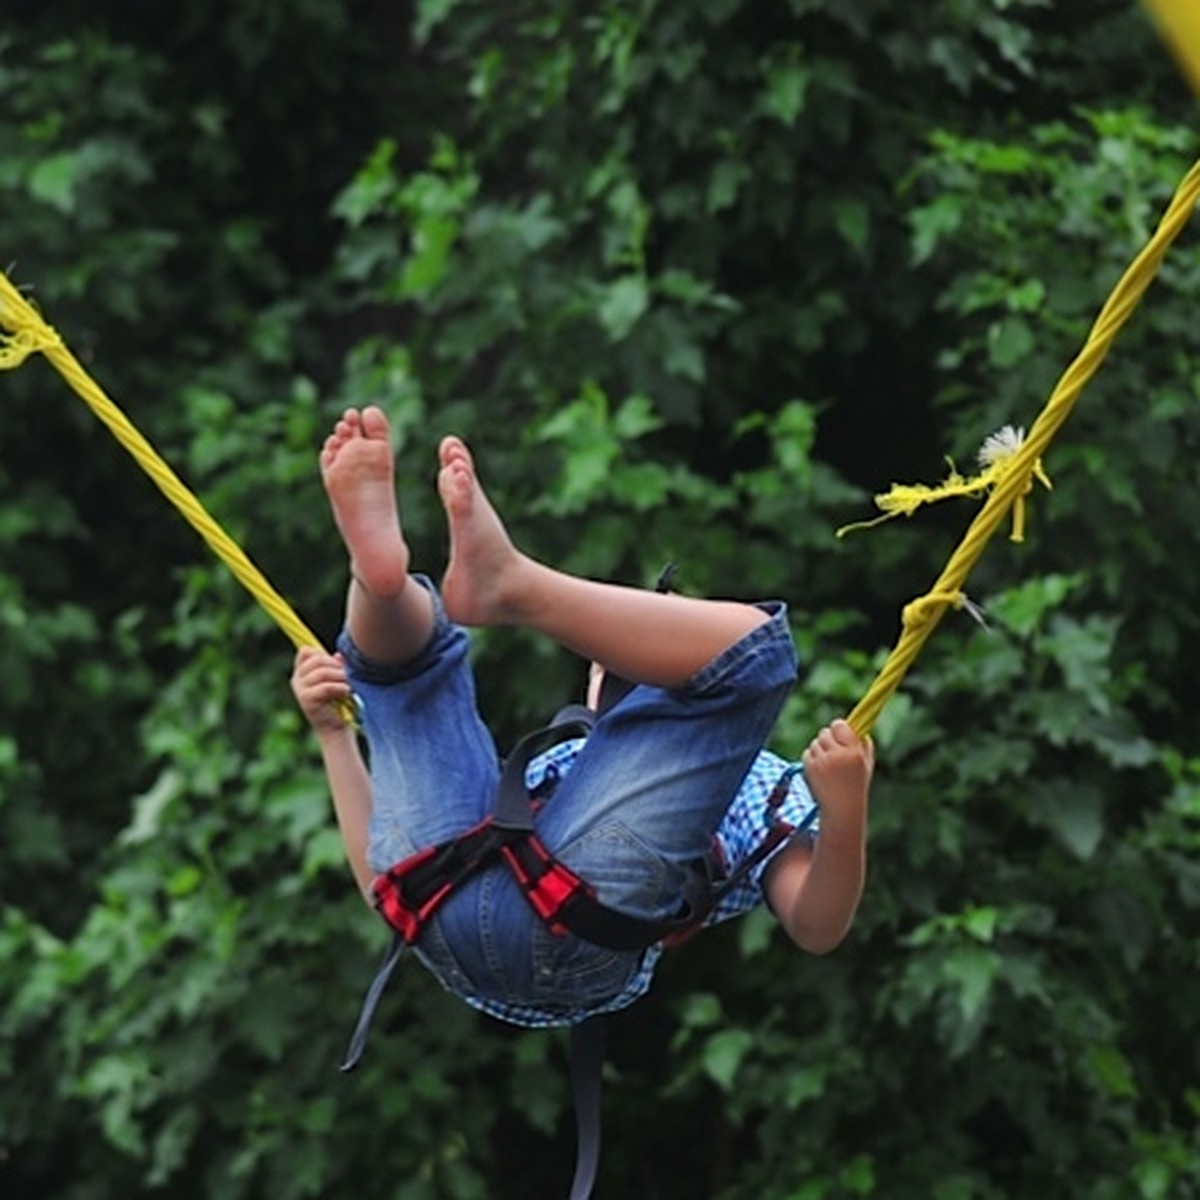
[
  {"x": 723, "y": 1055},
  {"x": 622, "y": 305}
]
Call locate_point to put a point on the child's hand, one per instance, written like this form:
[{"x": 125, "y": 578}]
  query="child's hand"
[
  {"x": 318, "y": 683},
  {"x": 838, "y": 765}
]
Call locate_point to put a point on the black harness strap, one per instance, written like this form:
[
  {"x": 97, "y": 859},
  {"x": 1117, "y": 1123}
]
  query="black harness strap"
[
  {"x": 362, "y": 1027},
  {"x": 587, "y": 1078},
  {"x": 409, "y": 893}
]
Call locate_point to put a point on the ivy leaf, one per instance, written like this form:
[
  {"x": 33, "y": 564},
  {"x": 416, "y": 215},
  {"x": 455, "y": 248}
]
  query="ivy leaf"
[
  {"x": 432, "y": 241},
  {"x": 622, "y": 305},
  {"x": 1022, "y": 608},
  {"x": 933, "y": 222},
  {"x": 725, "y": 183},
  {"x": 323, "y": 851},
  {"x": 787, "y": 89},
  {"x": 755, "y": 931},
  {"x": 54, "y": 180},
  {"x": 723, "y": 1056},
  {"x": 1009, "y": 342},
  {"x": 1112, "y": 1071},
  {"x": 149, "y": 808},
  {"x": 700, "y": 1010},
  {"x": 853, "y": 221},
  {"x": 1076, "y": 817},
  {"x": 803, "y": 1084}
]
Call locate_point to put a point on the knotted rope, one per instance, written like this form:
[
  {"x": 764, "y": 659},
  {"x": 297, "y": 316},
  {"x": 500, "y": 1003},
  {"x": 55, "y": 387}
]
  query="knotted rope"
[{"x": 1015, "y": 480}]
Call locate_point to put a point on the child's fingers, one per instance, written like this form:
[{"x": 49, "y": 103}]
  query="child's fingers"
[
  {"x": 843, "y": 734},
  {"x": 839, "y": 736},
  {"x": 326, "y": 672},
  {"x": 325, "y": 691},
  {"x": 314, "y": 653},
  {"x": 328, "y": 688},
  {"x": 815, "y": 749},
  {"x": 829, "y": 739},
  {"x": 317, "y": 667}
]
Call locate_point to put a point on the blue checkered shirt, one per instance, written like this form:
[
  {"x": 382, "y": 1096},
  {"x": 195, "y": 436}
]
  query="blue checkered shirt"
[{"x": 745, "y": 824}]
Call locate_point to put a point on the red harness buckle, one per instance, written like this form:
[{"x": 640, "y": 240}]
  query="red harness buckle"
[
  {"x": 409, "y": 893},
  {"x": 406, "y": 921},
  {"x": 548, "y": 885}
]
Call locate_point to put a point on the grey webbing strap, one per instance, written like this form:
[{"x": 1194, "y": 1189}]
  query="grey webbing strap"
[
  {"x": 587, "y": 1064},
  {"x": 358, "y": 1041},
  {"x": 512, "y": 809}
]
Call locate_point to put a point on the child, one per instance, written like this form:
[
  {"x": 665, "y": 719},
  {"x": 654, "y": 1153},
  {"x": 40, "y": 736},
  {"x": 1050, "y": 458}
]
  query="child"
[{"x": 633, "y": 809}]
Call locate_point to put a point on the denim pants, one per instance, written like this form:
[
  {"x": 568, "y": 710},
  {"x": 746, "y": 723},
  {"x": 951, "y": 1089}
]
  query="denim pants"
[{"x": 632, "y": 817}]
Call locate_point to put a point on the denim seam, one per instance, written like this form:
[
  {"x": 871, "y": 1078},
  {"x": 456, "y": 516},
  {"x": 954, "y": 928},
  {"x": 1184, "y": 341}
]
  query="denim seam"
[
  {"x": 486, "y": 936},
  {"x": 383, "y": 674},
  {"x": 773, "y": 632}
]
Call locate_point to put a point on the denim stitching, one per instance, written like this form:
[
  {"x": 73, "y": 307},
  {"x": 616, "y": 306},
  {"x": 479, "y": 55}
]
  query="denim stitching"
[{"x": 770, "y": 635}]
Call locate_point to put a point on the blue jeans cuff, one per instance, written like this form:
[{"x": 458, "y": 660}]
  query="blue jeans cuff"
[{"x": 370, "y": 671}]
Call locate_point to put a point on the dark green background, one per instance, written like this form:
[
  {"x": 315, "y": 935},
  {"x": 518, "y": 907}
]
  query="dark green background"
[{"x": 696, "y": 280}]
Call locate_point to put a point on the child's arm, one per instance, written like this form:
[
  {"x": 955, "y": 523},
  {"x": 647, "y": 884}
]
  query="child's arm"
[
  {"x": 318, "y": 683},
  {"x": 814, "y": 889}
]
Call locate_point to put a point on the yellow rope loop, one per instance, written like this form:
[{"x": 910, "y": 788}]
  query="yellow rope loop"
[
  {"x": 1026, "y": 460},
  {"x": 29, "y": 333},
  {"x": 924, "y": 608},
  {"x": 17, "y": 347},
  {"x": 998, "y": 455}
]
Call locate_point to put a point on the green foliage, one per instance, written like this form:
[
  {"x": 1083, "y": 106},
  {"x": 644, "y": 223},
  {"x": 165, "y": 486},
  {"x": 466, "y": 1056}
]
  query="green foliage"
[
  {"x": 1096, "y": 188},
  {"x": 695, "y": 280}
]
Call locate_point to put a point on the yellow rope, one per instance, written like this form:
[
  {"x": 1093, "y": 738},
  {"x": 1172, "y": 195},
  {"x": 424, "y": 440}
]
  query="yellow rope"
[
  {"x": 29, "y": 333},
  {"x": 1016, "y": 480},
  {"x": 998, "y": 454}
]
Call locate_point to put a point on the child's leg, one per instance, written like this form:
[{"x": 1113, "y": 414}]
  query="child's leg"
[
  {"x": 643, "y": 636},
  {"x": 389, "y": 617},
  {"x": 655, "y": 778},
  {"x": 433, "y": 763}
]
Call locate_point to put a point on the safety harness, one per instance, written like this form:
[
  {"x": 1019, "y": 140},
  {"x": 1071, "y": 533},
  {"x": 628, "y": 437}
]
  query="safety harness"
[{"x": 409, "y": 894}]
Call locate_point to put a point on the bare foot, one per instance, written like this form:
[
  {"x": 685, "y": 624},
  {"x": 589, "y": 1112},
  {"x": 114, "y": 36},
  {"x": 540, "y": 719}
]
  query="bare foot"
[
  {"x": 481, "y": 583},
  {"x": 358, "y": 473}
]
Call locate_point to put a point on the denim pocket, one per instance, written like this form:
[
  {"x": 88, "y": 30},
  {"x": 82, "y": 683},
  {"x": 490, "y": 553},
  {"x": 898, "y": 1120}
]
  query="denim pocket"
[
  {"x": 627, "y": 875},
  {"x": 569, "y": 973},
  {"x": 626, "y": 872}
]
